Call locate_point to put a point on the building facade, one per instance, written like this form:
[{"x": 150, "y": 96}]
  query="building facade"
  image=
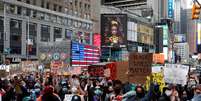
[{"x": 44, "y": 21}]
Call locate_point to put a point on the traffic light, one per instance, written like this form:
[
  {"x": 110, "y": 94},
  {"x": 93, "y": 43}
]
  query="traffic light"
[{"x": 195, "y": 11}]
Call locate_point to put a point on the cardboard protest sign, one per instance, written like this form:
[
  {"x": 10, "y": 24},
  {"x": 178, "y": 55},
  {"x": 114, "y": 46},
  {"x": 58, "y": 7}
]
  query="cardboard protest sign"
[
  {"x": 139, "y": 67},
  {"x": 176, "y": 73},
  {"x": 158, "y": 58},
  {"x": 103, "y": 69},
  {"x": 122, "y": 70}
]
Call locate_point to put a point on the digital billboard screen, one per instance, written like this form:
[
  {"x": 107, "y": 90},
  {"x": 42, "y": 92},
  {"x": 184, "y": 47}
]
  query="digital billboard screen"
[{"x": 113, "y": 29}]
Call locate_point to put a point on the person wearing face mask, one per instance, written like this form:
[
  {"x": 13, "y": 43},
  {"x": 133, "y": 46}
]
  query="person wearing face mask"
[
  {"x": 166, "y": 94},
  {"x": 197, "y": 93},
  {"x": 184, "y": 96},
  {"x": 140, "y": 93}
]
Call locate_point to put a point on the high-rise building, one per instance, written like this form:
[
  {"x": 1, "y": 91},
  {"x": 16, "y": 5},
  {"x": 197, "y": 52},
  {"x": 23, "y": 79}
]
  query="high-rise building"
[{"x": 45, "y": 21}]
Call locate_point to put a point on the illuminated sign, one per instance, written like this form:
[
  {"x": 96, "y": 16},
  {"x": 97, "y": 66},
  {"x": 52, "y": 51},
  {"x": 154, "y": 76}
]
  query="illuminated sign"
[
  {"x": 113, "y": 29},
  {"x": 170, "y": 8},
  {"x": 199, "y": 33},
  {"x": 165, "y": 35},
  {"x": 97, "y": 40}
]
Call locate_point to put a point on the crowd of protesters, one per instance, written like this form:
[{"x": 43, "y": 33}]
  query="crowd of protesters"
[{"x": 43, "y": 87}]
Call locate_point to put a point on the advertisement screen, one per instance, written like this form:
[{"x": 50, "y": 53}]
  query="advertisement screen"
[
  {"x": 165, "y": 35},
  {"x": 113, "y": 29}
]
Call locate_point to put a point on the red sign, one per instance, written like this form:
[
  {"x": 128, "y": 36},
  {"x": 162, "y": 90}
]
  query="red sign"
[
  {"x": 97, "y": 39},
  {"x": 103, "y": 70}
]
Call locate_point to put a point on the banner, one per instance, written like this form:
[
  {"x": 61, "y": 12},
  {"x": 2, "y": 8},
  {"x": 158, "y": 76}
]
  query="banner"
[
  {"x": 140, "y": 66},
  {"x": 29, "y": 66},
  {"x": 176, "y": 73},
  {"x": 158, "y": 58}
]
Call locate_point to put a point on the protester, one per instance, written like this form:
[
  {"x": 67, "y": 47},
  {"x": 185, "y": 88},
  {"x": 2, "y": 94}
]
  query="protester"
[
  {"x": 30, "y": 87},
  {"x": 49, "y": 95}
]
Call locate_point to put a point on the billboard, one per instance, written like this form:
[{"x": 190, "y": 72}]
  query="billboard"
[
  {"x": 180, "y": 38},
  {"x": 165, "y": 35},
  {"x": 54, "y": 53},
  {"x": 84, "y": 55},
  {"x": 113, "y": 29}
]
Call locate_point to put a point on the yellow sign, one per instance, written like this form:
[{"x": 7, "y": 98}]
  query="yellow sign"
[{"x": 156, "y": 77}]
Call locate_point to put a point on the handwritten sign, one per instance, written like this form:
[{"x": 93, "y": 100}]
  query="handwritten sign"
[
  {"x": 176, "y": 73},
  {"x": 158, "y": 58},
  {"x": 140, "y": 66},
  {"x": 96, "y": 71},
  {"x": 158, "y": 78},
  {"x": 68, "y": 97}
]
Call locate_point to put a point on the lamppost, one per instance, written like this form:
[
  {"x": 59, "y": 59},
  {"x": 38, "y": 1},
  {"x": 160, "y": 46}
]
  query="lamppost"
[{"x": 28, "y": 40}]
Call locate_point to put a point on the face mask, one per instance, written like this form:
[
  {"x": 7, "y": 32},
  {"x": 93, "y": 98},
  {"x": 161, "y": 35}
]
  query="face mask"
[
  {"x": 37, "y": 90},
  {"x": 168, "y": 92},
  {"x": 74, "y": 90}
]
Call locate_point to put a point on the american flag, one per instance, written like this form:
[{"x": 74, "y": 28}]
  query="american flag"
[{"x": 84, "y": 55}]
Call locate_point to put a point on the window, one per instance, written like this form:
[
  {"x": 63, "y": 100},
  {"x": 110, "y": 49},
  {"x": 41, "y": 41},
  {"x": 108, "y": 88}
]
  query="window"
[
  {"x": 47, "y": 17},
  {"x": 68, "y": 34},
  {"x": 42, "y": 3},
  {"x": 1, "y": 6},
  {"x": 15, "y": 36},
  {"x": 89, "y": 7},
  {"x": 1, "y": 34},
  {"x": 48, "y": 5},
  {"x": 34, "y": 14},
  {"x": 34, "y": 2},
  {"x": 45, "y": 33},
  {"x": 80, "y": 4},
  {"x": 54, "y": 18},
  {"x": 70, "y": 22},
  {"x": 66, "y": 10},
  {"x": 57, "y": 33},
  {"x": 59, "y": 19},
  {"x": 28, "y": 12},
  {"x": 65, "y": 21},
  {"x": 76, "y": 3},
  {"x": 19, "y": 10},
  {"x": 55, "y": 7},
  {"x": 32, "y": 36},
  {"x": 79, "y": 24},
  {"x": 60, "y": 9},
  {"x": 12, "y": 9},
  {"x": 28, "y": 1}
]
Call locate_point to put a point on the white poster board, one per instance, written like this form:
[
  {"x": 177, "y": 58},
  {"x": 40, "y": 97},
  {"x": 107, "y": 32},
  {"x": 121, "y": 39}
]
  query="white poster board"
[
  {"x": 157, "y": 69},
  {"x": 176, "y": 73},
  {"x": 68, "y": 97}
]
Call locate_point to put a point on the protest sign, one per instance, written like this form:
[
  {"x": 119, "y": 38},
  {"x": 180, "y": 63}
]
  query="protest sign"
[
  {"x": 139, "y": 66},
  {"x": 156, "y": 69},
  {"x": 157, "y": 78},
  {"x": 122, "y": 71},
  {"x": 68, "y": 97},
  {"x": 176, "y": 73},
  {"x": 158, "y": 58}
]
